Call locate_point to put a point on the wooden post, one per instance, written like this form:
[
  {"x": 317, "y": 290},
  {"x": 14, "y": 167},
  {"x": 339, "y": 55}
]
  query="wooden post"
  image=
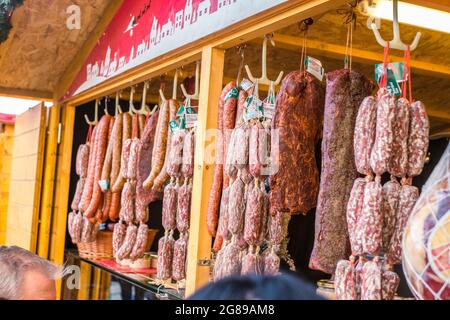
[
  {"x": 51, "y": 148},
  {"x": 199, "y": 239},
  {"x": 58, "y": 239}
]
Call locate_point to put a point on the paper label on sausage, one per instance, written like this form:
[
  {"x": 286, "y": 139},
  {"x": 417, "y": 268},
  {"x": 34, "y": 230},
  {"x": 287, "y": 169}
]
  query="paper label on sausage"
[
  {"x": 233, "y": 93},
  {"x": 246, "y": 84},
  {"x": 314, "y": 67},
  {"x": 253, "y": 108},
  {"x": 104, "y": 185},
  {"x": 396, "y": 75},
  {"x": 191, "y": 117}
]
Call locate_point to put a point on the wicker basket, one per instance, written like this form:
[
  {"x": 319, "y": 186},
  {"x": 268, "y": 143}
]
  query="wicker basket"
[{"x": 101, "y": 248}]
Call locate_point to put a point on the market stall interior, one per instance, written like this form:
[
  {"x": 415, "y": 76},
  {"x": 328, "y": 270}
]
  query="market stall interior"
[{"x": 338, "y": 38}]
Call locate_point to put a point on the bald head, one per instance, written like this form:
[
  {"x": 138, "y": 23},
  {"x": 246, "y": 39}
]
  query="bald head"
[{"x": 26, "y": 276}]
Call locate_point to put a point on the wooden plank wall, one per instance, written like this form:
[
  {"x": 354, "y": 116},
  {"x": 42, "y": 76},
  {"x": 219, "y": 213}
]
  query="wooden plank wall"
[
  {"x": 26, "y": 178},
  {"x": 6, "y": 150}
]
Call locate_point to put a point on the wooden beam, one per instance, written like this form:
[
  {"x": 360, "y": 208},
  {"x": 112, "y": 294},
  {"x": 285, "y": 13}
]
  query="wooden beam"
[
  {"x": 51, "y": 148},
  {"x": 363, "y": 56},
  {"x": 199, "y": 247},
  {"x": 276, "y": 18},
  {"x": 443, "y": 5},
  {"x": 438, "y": 115},
  {"x": 26, "y": 94},
  {"x": 76, "y": 64},
  {"x": 59, "y": 223}
]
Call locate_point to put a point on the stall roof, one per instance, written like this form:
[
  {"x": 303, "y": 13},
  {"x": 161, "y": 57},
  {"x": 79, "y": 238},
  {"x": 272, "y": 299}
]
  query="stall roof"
[{"x": 40, "y": 47}]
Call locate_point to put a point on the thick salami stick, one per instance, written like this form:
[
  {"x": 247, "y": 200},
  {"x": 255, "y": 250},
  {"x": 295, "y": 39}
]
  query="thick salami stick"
[
  {"x": 391, "y": 194},
  {"x": 236, "y": 207},
  {"x": 175, "y": 157},
  {"x": 179, "y": 258},
  {"x": 133, "y": 159},
  {"x": 169, "y": 209},
  {"x": 128, "y": 243},
  {"x": 364, "y": 138},
  {"x": 229, "y": 119},
  {"x": 358, "y": 277},
  {"x": 231, "y": 260},
  {"x": 163, "y": 176},
  {"x": 165, "y": 256},
  {"x": 160, "y": 145},
  {"x": 101, "y": 141},
  {"x": 127, "y": 202},
  {"x": 344, "y": 95},
  {"x": 371, "y": 281},
  {"x": 254, "y": 213},
  {"x": 77, "y": 226},
  {"x": 118, "y": 132},
  {"x": 89, "y": 184},
  {"x": 222, "y": 229},
  {"x": 398, "y": 163},
  {"x": 407, "y": 200},
  {"x": 382, "y": 149},
  {"x": 120, "y": 181},
  {"x": 141, "y": 242},
  {"x": 120, "y": 230},
  {"x": 255, "y": 164},
  {"x": 230, "y": 168},
  {"x": 276, "y": 228},
  {"x": 419, "y": 128},
  {"x": 251, "y": 263},
  {"x": 216, "y": 188},
  {"x": 354, "y": 209},
  {"x": 271, "y": 263},
  {"x": 82, "y": 160},
  {"x": 389, "y": 284},
  {"x": 344, "y": 283},
  {"x": 371, "y": 223},
  {"x": 184, "y": 207},
  {"x": 241, "y": 147},
  {"x": 298, "y": 121},
  {"x": 141, "y": 123},
  {"x": 78, "y": 193},
  {"x": 145, "y": 196},
  {"x": 187, "y": 168},
  {"x": 107, "y": 164}
]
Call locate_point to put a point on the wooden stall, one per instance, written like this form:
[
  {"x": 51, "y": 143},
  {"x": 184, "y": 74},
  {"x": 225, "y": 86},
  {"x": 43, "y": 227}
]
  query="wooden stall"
[{"x": 220, "y": 60}]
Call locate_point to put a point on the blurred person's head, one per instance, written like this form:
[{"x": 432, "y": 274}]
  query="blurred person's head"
[
  {"x": 26, "y": 276},
  {"x": 254, "y": 287}
]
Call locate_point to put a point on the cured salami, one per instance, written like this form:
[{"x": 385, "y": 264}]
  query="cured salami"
[
  {"x": 344, "y": 94},
  {"x": 254, "y": 213},
  {"x": 165, "y": 255},
  {"x": 169, "y": 210},
  {"x": 119, "y": 233},
  {"x": 407, "y": 200},
  {"x": 160, "y": 144},
  {"x": 187, "y": 168},
  {"x": 354, "y": 210},
  {"x": 271, "y": 263},
  {"x": 391, "y": 194},
  {"x": 141, "y": 242},
  {"x": 184, "y": 207},
  {"x": 364, "y": 138},
  {"x": 251, "y": 263},
  {"x": 127, "y": 202},
  {"x": 371, "y": 223},
  {"x": 176, "y": 153},
  {"x": 128, "y": 242},
  {"x": 399, "y": 159},
  {"x": 384, "y": 134},
  {"x": 297, "y": 121},
  {"x": 371, "y": 281},
  {"x": 344, "y": 283},
  {"x": 419, "y": 128},
  {"x": 236, "y": 207},
  {"x": 179, "y": 258},
  {"x": 389, "y": 284}
]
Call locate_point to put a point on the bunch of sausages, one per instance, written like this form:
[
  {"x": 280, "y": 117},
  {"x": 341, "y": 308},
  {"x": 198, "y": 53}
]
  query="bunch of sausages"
[
  {"x": 238, "y": 211},
  {"x": 179, "y": 168},
  {"x": 391, "y": 135}
]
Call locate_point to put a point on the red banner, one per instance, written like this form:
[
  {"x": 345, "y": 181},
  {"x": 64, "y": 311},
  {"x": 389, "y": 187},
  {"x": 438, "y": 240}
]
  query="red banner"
[{"x": 145, "y": 29}]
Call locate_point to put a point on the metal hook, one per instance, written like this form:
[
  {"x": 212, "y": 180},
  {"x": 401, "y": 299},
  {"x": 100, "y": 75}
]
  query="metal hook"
[
  {"x": 118, "y": 109},
  {"x": 395, "y": 43},
  {"x": 105, "y": 110},
  {"x": 144, "y": 108},
  {"x": 93, "y": 123},
  {"x": 197, "y": 79},
  {"x": 264, "y": 80}
]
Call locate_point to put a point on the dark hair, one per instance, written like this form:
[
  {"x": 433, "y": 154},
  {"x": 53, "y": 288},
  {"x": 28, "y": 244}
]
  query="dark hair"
[{"x": 254, "y": 287}]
